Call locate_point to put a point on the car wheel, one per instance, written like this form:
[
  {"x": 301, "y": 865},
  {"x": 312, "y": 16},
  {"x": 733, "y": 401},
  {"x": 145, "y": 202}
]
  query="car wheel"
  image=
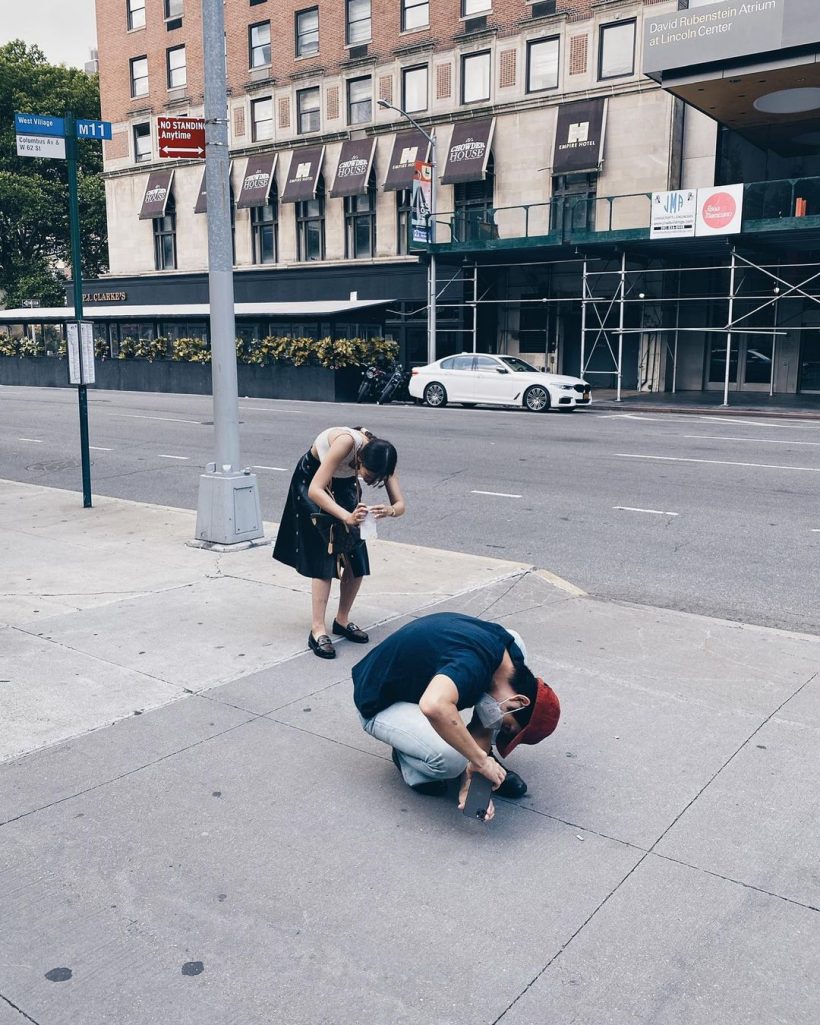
[
  {"x": 435, "y": 395},
  {"x": 537, "y": 399}
]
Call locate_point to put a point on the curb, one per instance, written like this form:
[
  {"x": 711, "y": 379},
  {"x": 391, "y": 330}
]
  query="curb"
[{"x": 645, "y": 407}]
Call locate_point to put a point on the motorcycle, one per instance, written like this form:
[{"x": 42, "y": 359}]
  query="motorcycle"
[
  {"x": 394, "y": 385},
  {"x": 373, "y": 381}
]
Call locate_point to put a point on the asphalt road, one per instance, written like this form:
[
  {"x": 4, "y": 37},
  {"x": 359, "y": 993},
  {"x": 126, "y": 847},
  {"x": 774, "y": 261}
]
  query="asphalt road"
[{"x": 717, "y": 516}]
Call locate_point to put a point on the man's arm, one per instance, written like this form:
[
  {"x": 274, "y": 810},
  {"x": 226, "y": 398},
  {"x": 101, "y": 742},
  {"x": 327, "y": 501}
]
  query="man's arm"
[{"x": 439, "y": 703}]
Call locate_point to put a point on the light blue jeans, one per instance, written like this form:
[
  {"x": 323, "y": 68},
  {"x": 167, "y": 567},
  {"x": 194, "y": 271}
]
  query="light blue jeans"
[{"x": 423, "y": 755}]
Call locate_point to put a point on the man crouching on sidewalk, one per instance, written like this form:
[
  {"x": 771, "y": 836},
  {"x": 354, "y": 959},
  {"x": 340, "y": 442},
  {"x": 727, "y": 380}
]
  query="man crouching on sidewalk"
[{"x": 409, "y": 690}]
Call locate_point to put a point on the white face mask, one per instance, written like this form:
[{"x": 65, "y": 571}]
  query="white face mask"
[{"x": 491, "y": 713}]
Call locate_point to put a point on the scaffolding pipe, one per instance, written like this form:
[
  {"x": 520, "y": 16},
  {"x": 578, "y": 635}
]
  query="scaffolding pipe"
[
  {"x": 621, "y": 325},
  {"x": 729, "y": 332},
  {"x": 583, "y": 320},
  {"x": 475, "y": 307},
  {"x": 677, "y": 332},
  {"x": 774, "y": 342}
]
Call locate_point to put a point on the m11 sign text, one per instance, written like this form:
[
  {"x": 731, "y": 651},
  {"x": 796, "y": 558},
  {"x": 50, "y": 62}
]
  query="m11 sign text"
[{"x": 181, "y": 137}]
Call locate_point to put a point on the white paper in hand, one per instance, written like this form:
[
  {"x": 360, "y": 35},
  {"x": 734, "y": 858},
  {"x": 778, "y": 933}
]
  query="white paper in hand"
[{"x": 367, "y": 528}]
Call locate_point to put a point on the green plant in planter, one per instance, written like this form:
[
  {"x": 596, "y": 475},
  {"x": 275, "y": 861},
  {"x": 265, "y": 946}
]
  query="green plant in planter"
[
  {"x": 102, "y": 350},
  {"x": 337, "y": 353},
  {"x": 126, "y": 350},
  {"x": 191, "y": 350},
  {"x": 29, "y": 347},
  {"x": 8, "y": 346}
]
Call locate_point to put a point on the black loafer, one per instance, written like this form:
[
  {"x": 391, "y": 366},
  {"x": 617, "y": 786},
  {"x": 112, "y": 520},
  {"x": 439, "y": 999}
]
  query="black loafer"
[
  {"x": 323, "y": 646},
  {"x": 433, "y": 788},
  {"x": 351, "y": 632},
  {"x": 513, "y": 786}
]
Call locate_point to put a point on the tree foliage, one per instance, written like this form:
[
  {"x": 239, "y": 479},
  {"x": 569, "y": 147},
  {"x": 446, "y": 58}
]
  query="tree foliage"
[{"x": 35, "y": 242}]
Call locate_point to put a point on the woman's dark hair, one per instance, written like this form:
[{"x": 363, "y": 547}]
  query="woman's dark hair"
[{"x": 379, "y": 457}]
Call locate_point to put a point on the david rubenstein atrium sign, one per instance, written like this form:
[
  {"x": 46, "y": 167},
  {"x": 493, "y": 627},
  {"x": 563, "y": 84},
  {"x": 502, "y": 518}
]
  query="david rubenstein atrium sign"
[{"x": 726, "y": 29}]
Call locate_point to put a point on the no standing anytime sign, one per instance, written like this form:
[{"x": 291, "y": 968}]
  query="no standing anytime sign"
[{"x": 181, "y": 137}]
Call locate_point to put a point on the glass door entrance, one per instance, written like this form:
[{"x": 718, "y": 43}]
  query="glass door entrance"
[{"x": 750, "y": 366}]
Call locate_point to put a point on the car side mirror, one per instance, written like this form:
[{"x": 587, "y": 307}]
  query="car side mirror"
[
  {"x": 543, "y": 370},
  {"x": 501, "y": 370}
]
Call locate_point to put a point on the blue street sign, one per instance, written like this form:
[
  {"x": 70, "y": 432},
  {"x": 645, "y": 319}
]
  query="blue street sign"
[
  {"x": 93, "y": 129},
  {"x": 39, "y": 124}
]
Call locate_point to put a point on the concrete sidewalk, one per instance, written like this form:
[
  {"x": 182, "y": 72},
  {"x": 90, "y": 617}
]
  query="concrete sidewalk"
[
  {"x": 710, "y": 403},
  {"x": 194, "y": 828}
]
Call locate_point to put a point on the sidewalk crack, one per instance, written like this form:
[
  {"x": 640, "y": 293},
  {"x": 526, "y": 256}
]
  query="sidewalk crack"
[{"x": 18, "y": 1009}]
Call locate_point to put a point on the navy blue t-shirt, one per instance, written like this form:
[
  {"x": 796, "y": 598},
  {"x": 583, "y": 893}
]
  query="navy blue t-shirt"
[{"x": 466, "y": 649}]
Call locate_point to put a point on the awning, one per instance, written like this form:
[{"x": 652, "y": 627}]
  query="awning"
[
  {"x": 579, "y": 136},
  {"x": 305, "y": 167},
  {"x": 152, "y": 311},
  {"x": 469, "y": 151},
  {"x": 408, "y": 147},
  {"x": 353, "y": 169},
  {"x": 202, "y": 199},
  {"x": 256, "y": 183},
  {"x": 156, "y": 195}
]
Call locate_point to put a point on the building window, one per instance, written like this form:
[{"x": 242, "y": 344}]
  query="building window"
[
  {"x": 310, "y": 225},
  {"x": 414, "y": 14},
  {"x": 470, "y": 8},
  {"x": 473, "y": 204},
  {"x": 542, "y": 64},
  {"x": 357, "y": 22},
  {"x": 264, "y": 231},
  {"x": 404, "y": 210},
  {"x": 177, "y": 72},
  {"x": 359, "y": 101},
  {"x": 414, "y": 89},
  {"x": 307, "y": 110},
  {"x": 259, "y": 45},
  {"x": 307, "y": 32},
  {"x": 616, "y": 54},
  {"x": 573, "y": 202},
  {"x": 136, "y": 13},
  {"x": 360, "y": 224},
  {"x": 139, "y": 76},
  {"x": 475, "y": 77},
  {"x": 173, "y": 9},
  {"x": 262, "y": 119},
  {"x": 142, "y": 142},
  {"x": 165, "y": 238}
]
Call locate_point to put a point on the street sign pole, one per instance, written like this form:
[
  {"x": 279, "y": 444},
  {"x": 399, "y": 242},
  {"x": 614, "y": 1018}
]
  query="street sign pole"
[
  {"x": 77, "y": 274},
  {"x": 228, "y": 510}
]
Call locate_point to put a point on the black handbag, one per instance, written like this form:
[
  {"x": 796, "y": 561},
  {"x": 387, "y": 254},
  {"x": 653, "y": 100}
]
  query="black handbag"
[{"x": 341, "y": 538}]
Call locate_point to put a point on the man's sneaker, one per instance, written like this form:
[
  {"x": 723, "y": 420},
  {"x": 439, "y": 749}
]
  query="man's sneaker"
[
  {"x": 513, "y": 786},
  {"x": 433, "y": 788}
]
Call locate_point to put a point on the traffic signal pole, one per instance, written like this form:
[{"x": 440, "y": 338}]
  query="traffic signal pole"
[{"x": 77, "y": 275}]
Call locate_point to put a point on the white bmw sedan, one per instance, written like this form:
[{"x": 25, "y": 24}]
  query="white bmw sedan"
[{"x": 473, "y": 378}]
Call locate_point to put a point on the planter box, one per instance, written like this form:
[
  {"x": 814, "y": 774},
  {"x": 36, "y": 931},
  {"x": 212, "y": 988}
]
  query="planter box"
[{"x": 312, "y": 383}]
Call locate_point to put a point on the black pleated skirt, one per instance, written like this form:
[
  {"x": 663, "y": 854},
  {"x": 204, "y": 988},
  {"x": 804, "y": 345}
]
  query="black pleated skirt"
[{"x": 299, "y": 543}]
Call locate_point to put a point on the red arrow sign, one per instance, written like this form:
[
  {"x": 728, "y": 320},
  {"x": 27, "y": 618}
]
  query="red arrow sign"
[{"x": 181, "y": 136}]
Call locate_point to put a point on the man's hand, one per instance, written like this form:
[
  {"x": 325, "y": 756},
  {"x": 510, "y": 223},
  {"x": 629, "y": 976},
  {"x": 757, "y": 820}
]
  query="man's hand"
[
  {"x": 465, "y": 786},
  {"x": 490, "y": 768}
]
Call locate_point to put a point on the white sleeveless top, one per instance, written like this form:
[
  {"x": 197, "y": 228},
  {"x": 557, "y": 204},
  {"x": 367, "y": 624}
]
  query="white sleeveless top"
[{"x": 322, "y": 446}]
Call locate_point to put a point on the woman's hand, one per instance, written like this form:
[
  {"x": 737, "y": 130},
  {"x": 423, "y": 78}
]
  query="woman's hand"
[
  {"x": 380, "y": 511},
  {"x": 353, "y": 519}
]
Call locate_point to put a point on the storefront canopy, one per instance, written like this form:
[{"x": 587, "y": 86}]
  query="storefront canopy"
[
  {"x": 579, "y": 136},
  {"x": 303, "y": 176},
  {"x": 156, "y": 195},
  {"x": 202, "y": 199},
  {"x": 469, "y": 151},
  {"x": 257, "y": 181},
  {"x": 353, "y": 170},
  {"x": 408, "y": 147}
]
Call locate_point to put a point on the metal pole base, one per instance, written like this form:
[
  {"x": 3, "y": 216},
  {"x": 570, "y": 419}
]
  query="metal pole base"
[{"x": 228, "y": 512}]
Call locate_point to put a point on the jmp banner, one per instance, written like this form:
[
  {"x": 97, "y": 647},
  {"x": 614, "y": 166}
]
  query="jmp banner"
[{"x": 422, "y": 197}]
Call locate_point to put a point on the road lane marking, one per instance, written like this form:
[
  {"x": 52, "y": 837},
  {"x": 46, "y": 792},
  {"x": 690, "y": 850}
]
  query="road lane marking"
[
  {"x": 795, "y": 425},
  {"x": 160, "y": 456},
  {"x": 34, "y": 441},
  {"x": 719, "y": 462},
  {"x": 99, "y": 448},
  {"x": 757, "y": 441},
  {"x": 282, "y": 469},
  {"x": 167, "y": 419},
  {"x": 655, "y": 512},
  {"x": 495, "y": 494},
  {"x": 263, "y": 409}
]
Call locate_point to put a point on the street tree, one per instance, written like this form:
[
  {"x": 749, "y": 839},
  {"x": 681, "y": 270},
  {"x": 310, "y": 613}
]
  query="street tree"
[{"x": 35, "y": 244}]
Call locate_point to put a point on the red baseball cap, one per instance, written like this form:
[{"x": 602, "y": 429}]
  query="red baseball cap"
[{"x": 544, "y": 715}]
